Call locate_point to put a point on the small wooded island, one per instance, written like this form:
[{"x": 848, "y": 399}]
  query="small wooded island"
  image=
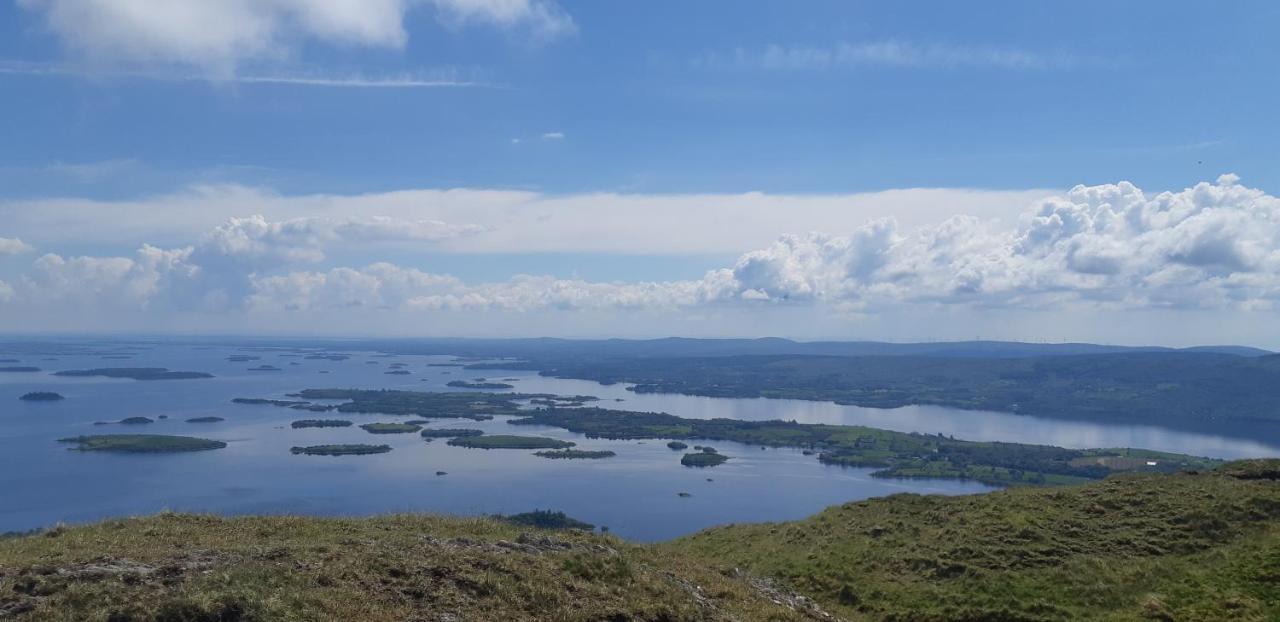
[
  {"x": 390, "y": 428},
  {"x": 703, "y": 459},
  {"x": 136, "y": 373},
  {"x": 340, "y": 450},
  {"x": 205, "y": 419},
  {"x": 141, "y": 443},
  {"x": 127, "y": 421},
  {"x": 463, "y": 384},
  {"x": 41, "y": 396},
  {"x": 507, "y": 441},
  {"x": 320, "y": 423},
  {"x": 574, "y": 454},
  {"x": 450, "y": 432}
]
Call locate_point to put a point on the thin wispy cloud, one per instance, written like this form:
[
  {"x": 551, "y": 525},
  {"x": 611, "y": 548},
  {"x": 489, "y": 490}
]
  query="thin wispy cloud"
[
  {"x": 885, "y": 54},
  {"x": 444, "y": 78}
]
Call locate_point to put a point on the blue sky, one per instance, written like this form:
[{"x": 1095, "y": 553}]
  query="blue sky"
[{"x": 722, "y": 125}]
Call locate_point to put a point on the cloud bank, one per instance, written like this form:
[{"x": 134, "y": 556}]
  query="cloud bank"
[{"x": 1107, "y": 247}]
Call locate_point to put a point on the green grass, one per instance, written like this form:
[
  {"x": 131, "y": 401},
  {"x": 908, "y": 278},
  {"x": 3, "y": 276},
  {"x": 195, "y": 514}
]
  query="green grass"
[
  {"x": 141, "y": 443},
  {"x": 506, "y": 441},
  {"x": 390, "y": 428},
  {"x": 341, "y": 450},
  {"x": 191, "y": 568},
  {"x": 1192, "y": 546},
  {"x": 1134, "y": 547}
]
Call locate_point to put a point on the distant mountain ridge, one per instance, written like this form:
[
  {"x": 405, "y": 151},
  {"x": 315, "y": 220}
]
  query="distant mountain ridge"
[{"x": 679, "y": 347}]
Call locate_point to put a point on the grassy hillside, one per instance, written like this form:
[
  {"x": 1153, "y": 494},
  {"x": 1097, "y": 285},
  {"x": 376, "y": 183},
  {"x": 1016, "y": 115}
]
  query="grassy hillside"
[
  {"x": 185, "y": 568},
  {"x": 1144, "y": 547},
  {"x": 1139, "y": 547}
]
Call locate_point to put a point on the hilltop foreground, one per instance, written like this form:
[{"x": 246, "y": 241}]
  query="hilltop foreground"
[{"x": 1189, "y": 546}]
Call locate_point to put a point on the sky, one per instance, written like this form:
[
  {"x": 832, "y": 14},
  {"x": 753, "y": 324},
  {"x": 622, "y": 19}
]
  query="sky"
[{"x": 1086, "y": 171}]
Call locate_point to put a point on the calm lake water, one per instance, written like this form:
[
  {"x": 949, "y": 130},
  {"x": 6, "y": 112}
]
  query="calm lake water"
[{"x": 634, "y": 493}]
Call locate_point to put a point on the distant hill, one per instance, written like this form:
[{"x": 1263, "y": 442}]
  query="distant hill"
[
  {"x": 685, "y": 347},
  {"x": 1187, "y": 389},
  {"x": 669, "y": 347}
]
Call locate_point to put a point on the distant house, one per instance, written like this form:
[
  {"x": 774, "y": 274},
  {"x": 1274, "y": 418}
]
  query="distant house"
[{"x": 1151, "y": 463}]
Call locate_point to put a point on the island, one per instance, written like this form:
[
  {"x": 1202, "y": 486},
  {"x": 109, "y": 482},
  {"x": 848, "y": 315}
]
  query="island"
[
  {"x": 703, "y": 459},
  {"x": 574, "y": 454},
  {"x": 450, "y": 432},
  {"x": 265, "y": 368},
  {"x": 397, "y": 372},
  {"x": 505, "y": 441},
  {"x": 546, "y": 519},
  {"x": 892, "y": 454},
  {"x": 19, "y": 369},
  {"x": 340, "y": 450},
  {"x": 448, "y": 405},
  {"x": 41, "y": 396},
  {"x": 320, "y": 423},
  {"x": 205, "y": 419},
  {"x": 463, "y": 384},
  {"x": 677, "y": 445},
  {"x": 261, "y": 401},
  {"x": 390, "y": 428},
  {"x": 243, "y": 358},
  {"x": 127, "y": 421},
  {"x": 135, "y": 373},
  {"x": 141, "y": 443}
]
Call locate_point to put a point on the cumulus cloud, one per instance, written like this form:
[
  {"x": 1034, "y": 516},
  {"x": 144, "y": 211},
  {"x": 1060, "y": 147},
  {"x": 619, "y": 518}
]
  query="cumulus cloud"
[
  {"x": 14, "y": 246},
  {"x": 1209, "y": 246},
  {"x": 218, "y": 36},
  {"x": 1107, "y": 247}
]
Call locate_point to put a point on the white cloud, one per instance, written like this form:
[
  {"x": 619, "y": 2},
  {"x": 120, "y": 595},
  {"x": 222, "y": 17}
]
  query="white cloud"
[
  {"x": 14, "y": 246},
  {"x": 884, "y": 53},
  {"x": 1107, "y": 248},
  {"x": 553, "y": 136},
  {"x": 1210, "y": 246},
  {"x": 218, "y": 36},
  {"x": 506, "y": 221},
  {"x": 440, "y": 78}
]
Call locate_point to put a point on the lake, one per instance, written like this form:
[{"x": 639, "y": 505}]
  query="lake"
[{"x": 634, "y": 493}]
